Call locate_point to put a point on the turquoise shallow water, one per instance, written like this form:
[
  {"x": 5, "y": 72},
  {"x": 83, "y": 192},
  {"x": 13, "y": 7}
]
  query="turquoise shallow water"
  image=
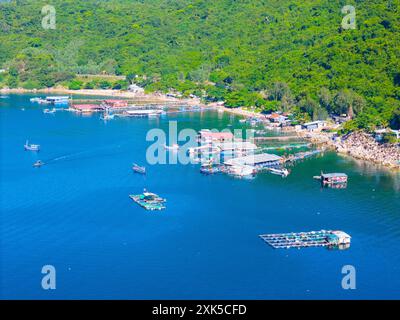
[{"x": 75, "y": 214}]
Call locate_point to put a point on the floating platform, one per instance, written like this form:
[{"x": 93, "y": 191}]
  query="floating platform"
[
  {"x": 333, "y": 180},
  {"x": 257, "y": 160},
  {"x": 208, "y": 170},
  {"x": 149, "y": 201},
  {"x": 302, "y": 155},
  {"x": 279, "y": 138},
  {"x": 321, "y": 238}
]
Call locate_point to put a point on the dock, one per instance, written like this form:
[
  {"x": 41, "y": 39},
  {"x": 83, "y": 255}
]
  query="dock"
[
  {"x": 149, "y": 201},
  {"x": 278, "y": 138},
  {"x": 287, "y": 147},
  {"x": 141, "y": 103},
  {"x": 302, "y": 155},
  {"x": 321, "y": 238},
  {"x": 333, "y": 180},
  {"x": 258, "y": 160}
]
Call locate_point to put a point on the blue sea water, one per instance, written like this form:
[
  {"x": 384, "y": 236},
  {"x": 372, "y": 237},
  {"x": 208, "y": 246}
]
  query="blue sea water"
[{"x": 75, "y": 214}]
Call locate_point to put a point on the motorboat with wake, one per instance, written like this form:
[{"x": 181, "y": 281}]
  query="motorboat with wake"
[
  {"x": 38, "y": 164},
  {"x": 31, "y": 147}
]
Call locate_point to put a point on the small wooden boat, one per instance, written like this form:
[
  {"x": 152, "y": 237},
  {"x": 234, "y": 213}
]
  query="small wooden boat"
[
  {"x": 138, "y": 169},
  {"x": 281, "y": 172},
  {"x": 174, "y": 147},
  {"x": 38, "y": 164},
  {"x": 107, "y": 116},
  {"x": 31, "y": 147},
  {"x": 50, "y": 110},
  {"x": 210, "y": 170},
  {"x": 242, "y": 171},
  {"x": 55, "y": 100},
  {"x": 154, "y": 115}
]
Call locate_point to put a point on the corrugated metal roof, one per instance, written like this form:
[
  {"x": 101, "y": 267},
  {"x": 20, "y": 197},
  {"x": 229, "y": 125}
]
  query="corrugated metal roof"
[
  {"x": 332, "y": 175},
  {"x": 236, "y": 145},
  {"x": 217, "y": 135},
  {"x": 314, "y": 123}
]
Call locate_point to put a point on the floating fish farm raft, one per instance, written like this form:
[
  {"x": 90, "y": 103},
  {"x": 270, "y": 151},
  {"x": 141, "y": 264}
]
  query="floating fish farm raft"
[
  {"x": 321, "y": 238},
  {"x": 149, "y": 201}
]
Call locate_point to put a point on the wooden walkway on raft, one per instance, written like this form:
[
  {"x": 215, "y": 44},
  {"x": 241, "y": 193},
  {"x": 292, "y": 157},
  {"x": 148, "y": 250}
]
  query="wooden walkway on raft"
[
  {"x": 136, "y": 102},
  {"x": 280, "y": 138},
  {"x": 298, "y": 240}
]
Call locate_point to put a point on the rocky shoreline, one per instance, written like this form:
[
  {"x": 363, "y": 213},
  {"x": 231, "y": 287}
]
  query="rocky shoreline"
[
  {"x": 363, "y": 146},
  {"x": 359, "y": 145}
]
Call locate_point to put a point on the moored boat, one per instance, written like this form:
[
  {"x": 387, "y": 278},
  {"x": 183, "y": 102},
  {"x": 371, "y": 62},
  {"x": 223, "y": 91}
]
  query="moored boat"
[
  {"x": 139, "y": 169},
  {"x": 49, "y": 110},
  {"x": 107, "y": 116},
  {"x": 208, "y": 167},
  {"x": 52, "y": 100},
  {"x": 281, "y": 172},
  {"x": 150, "y": 113},
  {"x": 242, "y": 171},
  {"x": 332, "y": 179},
  {"x": 174, "y": 147},
  {"x": 154, "y": 115}
]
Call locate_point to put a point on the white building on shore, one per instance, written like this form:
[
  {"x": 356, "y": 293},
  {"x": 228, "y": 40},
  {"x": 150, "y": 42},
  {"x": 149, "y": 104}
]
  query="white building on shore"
[
  {"x": 134, "y": 88},
  {"x": 315, "y": 125}
]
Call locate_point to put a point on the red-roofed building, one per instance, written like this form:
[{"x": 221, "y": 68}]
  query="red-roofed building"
[
  {"x": 208, "y": 136},
  {"x": 276, "y": 117},
  {"x": 86, "y": 108}
]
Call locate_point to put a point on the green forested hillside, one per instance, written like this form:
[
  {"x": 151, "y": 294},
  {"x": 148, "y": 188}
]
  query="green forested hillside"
[{"x": 285, "y": 54}]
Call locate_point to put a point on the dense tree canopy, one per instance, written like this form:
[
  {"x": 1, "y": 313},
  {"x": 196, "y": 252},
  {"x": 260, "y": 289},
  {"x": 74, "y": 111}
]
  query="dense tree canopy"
[{"x": 273, "y": 54}]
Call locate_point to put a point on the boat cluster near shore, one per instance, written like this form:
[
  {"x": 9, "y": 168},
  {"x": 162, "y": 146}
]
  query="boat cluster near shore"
[
  {"x": 217, "y": 152},
  {"x": 221, "y": 152}
]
